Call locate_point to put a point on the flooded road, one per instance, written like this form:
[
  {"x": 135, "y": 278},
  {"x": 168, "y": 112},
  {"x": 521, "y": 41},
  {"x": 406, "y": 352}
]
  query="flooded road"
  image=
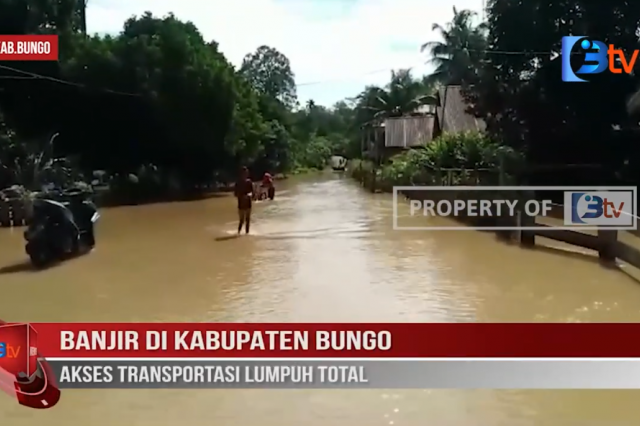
[{"x": 322, "y": 251}]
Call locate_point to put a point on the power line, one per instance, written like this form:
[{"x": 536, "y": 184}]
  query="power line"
[
  {"x": 490, "y": 52},
  {"x": 15, "y": 77},
  {"x": 30, "y": 75},
  {"x": 34, "y": 76},
  {"x": 516, "y": 52},
  {"x": 378, "y": 71}
]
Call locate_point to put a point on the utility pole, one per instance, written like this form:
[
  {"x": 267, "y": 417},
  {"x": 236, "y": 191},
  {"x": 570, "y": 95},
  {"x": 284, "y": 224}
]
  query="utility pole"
[{"x": 81, "y": 6}]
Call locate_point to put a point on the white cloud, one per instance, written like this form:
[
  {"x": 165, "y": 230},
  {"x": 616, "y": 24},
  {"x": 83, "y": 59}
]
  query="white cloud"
[{"x": 336, "y": 42}]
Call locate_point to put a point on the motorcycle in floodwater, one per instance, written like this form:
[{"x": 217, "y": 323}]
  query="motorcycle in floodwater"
[
  {"x": 59, "y": 231},
  {"x": 265, "y": 192}
]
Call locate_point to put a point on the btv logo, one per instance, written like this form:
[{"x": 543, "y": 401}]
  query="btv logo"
[
  {"x": 9, "y": 351},
  {"x": 596, "y": 207},
  {"x": 584, "y": 56},
  {"x": 600, "y": 208}
]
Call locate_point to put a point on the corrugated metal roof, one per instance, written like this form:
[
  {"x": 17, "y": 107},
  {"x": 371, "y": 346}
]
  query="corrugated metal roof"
[{"x": 452, "y": 112}]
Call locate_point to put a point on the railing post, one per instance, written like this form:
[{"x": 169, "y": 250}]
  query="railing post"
[
  {"x": 607, "y": 241},
  {"x": 374, "y": 175},
  {"x": 502, "y": 177},
  {"x": 504, "y": 219},
  {"x": 527, "y": 237}
]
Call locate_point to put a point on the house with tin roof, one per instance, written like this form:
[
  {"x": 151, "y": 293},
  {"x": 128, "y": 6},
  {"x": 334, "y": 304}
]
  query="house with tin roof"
[
  {"x": 387, "y": 137},
  {"x": 452, "y": 113}
]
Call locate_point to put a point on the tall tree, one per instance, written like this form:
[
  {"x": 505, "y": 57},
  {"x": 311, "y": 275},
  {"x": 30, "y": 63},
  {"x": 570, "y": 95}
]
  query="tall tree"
[
  {"x": 458, "y": 56},
  {"x": 269, "y": 71},
  {"x": 522, "y": 97}
]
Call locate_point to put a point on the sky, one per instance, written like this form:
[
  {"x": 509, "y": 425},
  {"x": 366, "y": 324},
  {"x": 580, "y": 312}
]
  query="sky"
[{"x": 336, "y": 47}]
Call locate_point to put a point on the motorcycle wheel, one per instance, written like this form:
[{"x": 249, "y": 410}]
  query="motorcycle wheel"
[
  {"x": 39, "y": 258},
  {"x": 69, "y": 245},
  {"x": 87, "y": 241}
]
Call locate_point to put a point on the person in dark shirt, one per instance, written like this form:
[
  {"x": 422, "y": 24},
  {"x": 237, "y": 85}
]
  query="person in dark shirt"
[{"x": 244, "y": 195}]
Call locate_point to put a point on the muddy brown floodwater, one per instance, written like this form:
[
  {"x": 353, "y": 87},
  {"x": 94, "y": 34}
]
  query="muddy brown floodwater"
[{"x": 323, "y": 251}]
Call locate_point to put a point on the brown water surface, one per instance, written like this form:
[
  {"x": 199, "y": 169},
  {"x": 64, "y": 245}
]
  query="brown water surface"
[{"x": 324, "y": 251}]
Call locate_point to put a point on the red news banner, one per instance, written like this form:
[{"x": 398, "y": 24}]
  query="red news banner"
[
  {"x": 210, "y": 340},
  {"x": 322, "y": 356},
  {"x": 277, "y": 340},
  {"x": 28, "y": 47}
]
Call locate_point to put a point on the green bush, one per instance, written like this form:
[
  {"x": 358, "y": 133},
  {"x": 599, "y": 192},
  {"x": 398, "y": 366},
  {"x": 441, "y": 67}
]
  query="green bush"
[
  {"x": 462, "y": 150},
  {"x": 407, "y": 168}
]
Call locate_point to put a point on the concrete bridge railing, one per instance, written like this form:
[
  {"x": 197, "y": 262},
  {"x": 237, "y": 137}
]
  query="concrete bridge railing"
[{"x": 609, "y": 244}]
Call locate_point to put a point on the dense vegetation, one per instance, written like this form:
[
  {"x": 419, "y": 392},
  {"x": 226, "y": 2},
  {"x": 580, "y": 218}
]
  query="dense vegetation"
[
  {"x": 156, "y": 100},
  {"x": 520, "y": 94},
  {"x": 510, "y": 69},
  {"x": 160, "y": 101}
]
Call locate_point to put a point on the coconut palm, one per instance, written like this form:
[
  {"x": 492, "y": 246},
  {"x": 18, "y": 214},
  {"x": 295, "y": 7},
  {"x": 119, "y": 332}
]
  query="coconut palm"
[
  {"x": 458, "y": 56},
  {"x": 402, "y": 96}
]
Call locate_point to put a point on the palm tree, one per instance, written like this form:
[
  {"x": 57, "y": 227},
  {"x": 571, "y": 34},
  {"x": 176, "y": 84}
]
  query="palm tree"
[
  {"x": 458, "y": 56},
  {"x": 311, "y": 105},
  {"x": 402, "y": 96}
]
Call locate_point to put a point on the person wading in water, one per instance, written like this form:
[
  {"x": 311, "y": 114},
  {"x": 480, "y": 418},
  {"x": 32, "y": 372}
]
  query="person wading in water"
[{"x": 244, "y": 195}]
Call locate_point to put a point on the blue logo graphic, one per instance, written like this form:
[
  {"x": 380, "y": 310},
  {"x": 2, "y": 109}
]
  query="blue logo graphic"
[
  {"x": 595, "y": 58},
  {"x": 594, "y": 207},
  {"x": 3, "y": 351}
]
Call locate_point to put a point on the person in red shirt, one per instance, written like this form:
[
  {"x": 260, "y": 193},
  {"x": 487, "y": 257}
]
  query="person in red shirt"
[
  {"x": 244, "y": 195},
  {"x": 267, "y": 182}
]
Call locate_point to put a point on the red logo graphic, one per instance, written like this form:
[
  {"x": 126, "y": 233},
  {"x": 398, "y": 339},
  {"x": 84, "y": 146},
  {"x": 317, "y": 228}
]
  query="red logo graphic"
[{"x": 24, "y": 374}]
